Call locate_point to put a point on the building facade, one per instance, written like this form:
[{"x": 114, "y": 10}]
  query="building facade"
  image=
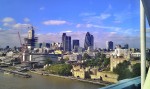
[
  {"x": 31, "y": 40},
  {"x": 47, "y": 45},
  {"x": 126, "y": 46},
  {"x": 109, "y": 45},
  {"x": 89, "y": 41},
  {"x": 66, "y": 42},
  {"x": 75, "y": 43}
]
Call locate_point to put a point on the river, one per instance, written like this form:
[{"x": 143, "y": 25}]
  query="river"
[{"x": 9, "y": 81}]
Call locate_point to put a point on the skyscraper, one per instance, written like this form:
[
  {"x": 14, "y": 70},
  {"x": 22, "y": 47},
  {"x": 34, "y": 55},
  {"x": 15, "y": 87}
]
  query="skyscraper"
[
  {"x": 75, "y": 43},
  {"x": 63, "y": 39},
  {"x": 31, "y": 39},
  {"x": 47, "y": 45},
  {"x": 66, "y": 42},
  {"x": 109, "y": 45},
  {"x": 89, "y": 41},
  {"x": 31, "y": 34},
  {"x": 126, "y": 46}
]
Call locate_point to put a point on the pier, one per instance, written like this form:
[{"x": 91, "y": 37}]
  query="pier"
[{"x": 25, "y": 75}]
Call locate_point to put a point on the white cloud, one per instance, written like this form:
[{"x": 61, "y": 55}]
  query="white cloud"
[
  {"x": 100, "y": 38},
  {"x": 97, "y": 18},
  {"x": 10, "y": 37},
  {"x": 5, "y": 24},
  {"x": 42, "y": 8},
  {"x": 21, "y": 26},
  {"x": 98, "y": 26},
  {"x": 104, "y": 16},
  {"x": 68, "y": 31},
  {"x": 54, "y": 22},
  {"x": 78, "y": 25},
  {"x": 8, "y": 19},
  {"x": 87, "y": 14},
  {"x": 26, "y": 19},
  {"x": 125, "y": 15}
]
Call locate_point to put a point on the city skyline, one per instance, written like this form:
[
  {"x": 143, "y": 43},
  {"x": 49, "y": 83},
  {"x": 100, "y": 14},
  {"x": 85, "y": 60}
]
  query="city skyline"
[{"x": 109, "y": 20}]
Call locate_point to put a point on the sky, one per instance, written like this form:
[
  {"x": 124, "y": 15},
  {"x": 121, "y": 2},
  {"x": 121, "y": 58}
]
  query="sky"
[{"x": 107, "y": 20}]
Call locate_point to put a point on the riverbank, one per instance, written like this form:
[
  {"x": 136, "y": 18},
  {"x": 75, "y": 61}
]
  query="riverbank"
[
  {"x": 102, "y": 83},
  {"x": 42, "y": 82},
  {"x": 8, "y": 71}
]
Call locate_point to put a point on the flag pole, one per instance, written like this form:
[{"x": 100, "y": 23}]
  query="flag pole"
[{"x": 142, "y": 44}]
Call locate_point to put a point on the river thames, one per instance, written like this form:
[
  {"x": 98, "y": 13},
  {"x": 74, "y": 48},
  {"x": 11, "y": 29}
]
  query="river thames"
[{"x": 9, "y": 81}]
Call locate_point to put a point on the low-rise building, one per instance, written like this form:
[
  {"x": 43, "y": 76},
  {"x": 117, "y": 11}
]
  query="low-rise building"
[
  {"x": 80, "y": 72},
  {"x": 73, "y": 57},
  {"x": 9, "y": 54},
  {"x": 105, "y": 76}
]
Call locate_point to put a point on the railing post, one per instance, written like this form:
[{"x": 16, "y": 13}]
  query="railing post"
[{"x": 142, "y": 44}]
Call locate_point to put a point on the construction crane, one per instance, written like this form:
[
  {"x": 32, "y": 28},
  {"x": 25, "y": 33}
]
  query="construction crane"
[
  {"x": 20, "y": 39},
  {"x": 23, "y": 48}
]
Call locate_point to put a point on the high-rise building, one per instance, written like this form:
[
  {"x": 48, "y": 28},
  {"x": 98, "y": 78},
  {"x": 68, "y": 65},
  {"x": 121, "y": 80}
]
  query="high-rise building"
[
  {"x": 109, "y": 45},
  {"x": 31, "y": 39},
  {"x": 47, "y": 45},
  {"x": 38, "y": 45},
  {"x": 126, "y": 46},
  {"x": 75, "y": 43},
  {"x": 66, "y": 42},
  {"x": 89, "y": 41},
  {"x": 31, "y": 34}
]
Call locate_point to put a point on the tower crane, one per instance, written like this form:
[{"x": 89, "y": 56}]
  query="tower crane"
[{"x": 23, "y": 48}]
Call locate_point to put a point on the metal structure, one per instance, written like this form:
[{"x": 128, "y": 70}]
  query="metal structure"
[
  {"x": 23, "y": 48},
  {"x": 143, "y": 43}
]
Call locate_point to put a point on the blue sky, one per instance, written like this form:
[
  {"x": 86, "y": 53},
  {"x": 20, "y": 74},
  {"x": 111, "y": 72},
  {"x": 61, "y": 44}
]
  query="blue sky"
[{"x": 116, "y": 20}]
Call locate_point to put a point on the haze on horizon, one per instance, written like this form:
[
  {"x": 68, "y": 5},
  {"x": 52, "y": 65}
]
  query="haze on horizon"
[{"x": 106, "y": 20}]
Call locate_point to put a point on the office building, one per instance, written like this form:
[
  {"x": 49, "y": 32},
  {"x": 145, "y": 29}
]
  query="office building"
[
  {"x": 31, "y": 40},
  {"x": 47, "y": 45},
  {"x": 66, "y": 42},
  {"x": 75, "y": 43},
  {"x": 89, "y": 41},
  {"x": 109, "y": 45},
  {"x": 126, "y": 46}
]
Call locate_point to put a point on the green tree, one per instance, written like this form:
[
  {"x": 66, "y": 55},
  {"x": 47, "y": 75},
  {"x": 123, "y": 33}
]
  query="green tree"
[
  {"x": 60, "y": 69},
  {"x": 122, "y": 70},
  {"x": 103, "y": 56},
  {"x": 86, "y": 56},
  {"x": 106, "y": 61},
  {"x": 136, "y": 69},
  {"x": 98, "y": 55}
]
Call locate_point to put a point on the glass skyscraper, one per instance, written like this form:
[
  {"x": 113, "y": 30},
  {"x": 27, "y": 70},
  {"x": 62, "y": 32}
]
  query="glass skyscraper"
[
  {"x": 66, "y": 42},
  {"x": 75, "y": 43},
  {"x": 89, "y": 41},
  {"x": 109, "y": 45}
]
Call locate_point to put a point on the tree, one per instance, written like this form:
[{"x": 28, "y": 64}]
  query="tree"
[
  {"x": 136, "y": 69},
  {"x": 106, "y": 61},
  {"x": 122, "y": 70},
  {"x": 98, "y": 55},
  {"x": 60, "y": 69},
  {"x": 86, "y": 56},
  {"x": 103, "y": 56}
]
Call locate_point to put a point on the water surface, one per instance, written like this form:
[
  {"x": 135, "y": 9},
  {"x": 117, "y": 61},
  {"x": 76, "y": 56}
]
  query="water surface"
[{"x": 9, "y": 81}]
